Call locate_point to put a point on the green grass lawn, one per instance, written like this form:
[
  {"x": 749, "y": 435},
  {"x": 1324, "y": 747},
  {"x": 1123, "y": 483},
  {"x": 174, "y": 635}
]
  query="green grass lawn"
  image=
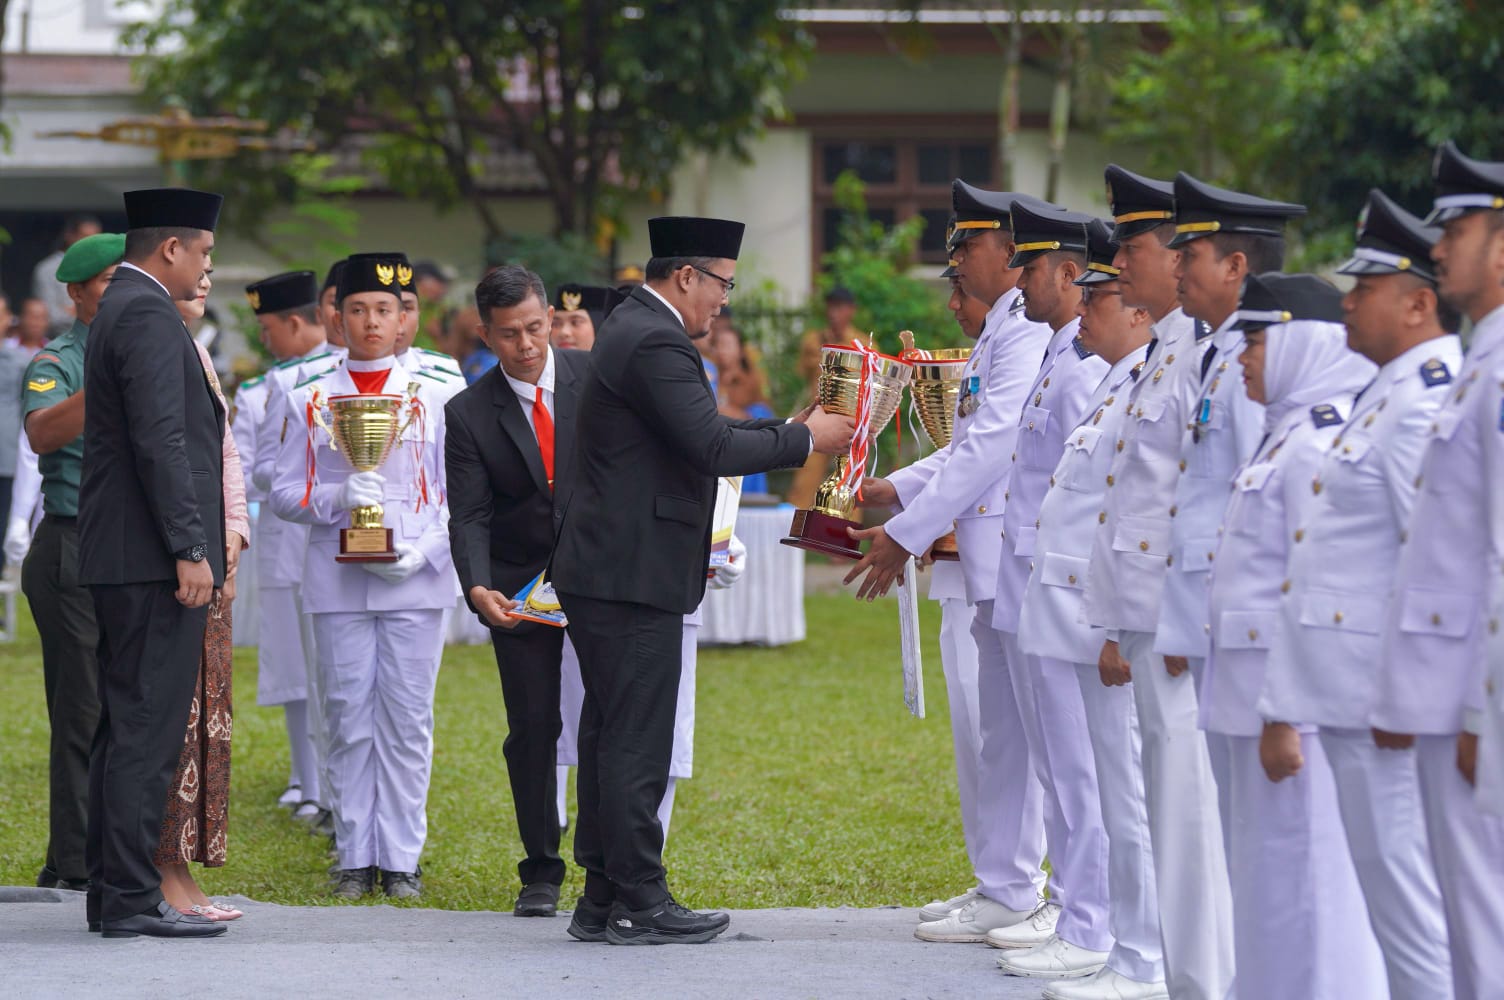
[{"x": 813, "y": 786}]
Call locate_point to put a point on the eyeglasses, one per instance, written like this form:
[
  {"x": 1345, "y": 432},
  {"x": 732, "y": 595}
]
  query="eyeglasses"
[
  {"x": 1090, "y": 295},
  {"x": 727, "y": 282}
]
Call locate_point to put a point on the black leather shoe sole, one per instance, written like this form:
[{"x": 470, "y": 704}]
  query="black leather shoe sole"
[{"x": 162, "y": 929}]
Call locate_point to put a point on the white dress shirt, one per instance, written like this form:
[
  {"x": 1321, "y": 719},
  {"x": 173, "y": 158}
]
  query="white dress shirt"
[{"x": 528, "y": 393}]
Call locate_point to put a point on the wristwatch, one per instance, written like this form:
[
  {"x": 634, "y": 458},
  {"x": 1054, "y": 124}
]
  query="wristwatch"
[{"x": 196, "y": 553}]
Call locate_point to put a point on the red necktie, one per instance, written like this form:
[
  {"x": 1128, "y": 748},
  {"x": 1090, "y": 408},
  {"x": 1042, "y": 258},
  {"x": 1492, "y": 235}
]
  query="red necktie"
[
  {"x": 543, "y": 426},
  {"x": 369, "y": 383}
]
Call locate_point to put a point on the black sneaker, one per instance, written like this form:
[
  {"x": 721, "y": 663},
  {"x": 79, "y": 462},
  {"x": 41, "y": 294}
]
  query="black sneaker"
[
  {"x": 401, "y": 885},
  {"x": 589, "y": 922},
  {"x": 665, "y": 923},
  {"x": 538, "y": 899},
  {"x": 354, "y": 883}
]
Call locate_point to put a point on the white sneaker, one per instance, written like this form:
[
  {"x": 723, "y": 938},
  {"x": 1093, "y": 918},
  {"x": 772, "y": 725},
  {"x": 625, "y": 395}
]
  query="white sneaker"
[
  {"x": 1036, "y": 930},
  {"x": 970, "y": 923},
  {"x": 1107, "y": 985},
  {"x": 939, "y": 909},
  {"x": 1055, "y": 959}
]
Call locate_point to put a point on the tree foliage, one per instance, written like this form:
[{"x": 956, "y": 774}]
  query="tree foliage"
[{"x": 600, "y": 97}]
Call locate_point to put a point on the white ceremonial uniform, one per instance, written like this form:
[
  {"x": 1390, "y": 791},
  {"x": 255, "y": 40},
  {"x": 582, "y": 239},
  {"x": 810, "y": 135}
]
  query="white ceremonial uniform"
[
  {"x": 1049, "y": 626},
  {"x": 1432, "y": 667},
  {"x": 441, "y": 368},
  {"x": 964, "y": 483},
  {"x": 1224, "y": 428},
  {"x": 378, "y": 644},
  {"x": 1299, "y": 921},
  {"x": 1124, "y": 584},
  {"x": 1320, "y": 669},
  {"x": 958, "y": 660},
  {"x": 1046, "y": 690}
]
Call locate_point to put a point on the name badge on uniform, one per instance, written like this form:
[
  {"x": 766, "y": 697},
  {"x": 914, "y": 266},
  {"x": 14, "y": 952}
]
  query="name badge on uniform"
[
  {"x": 971, "y": 396},
  {"x": 1203, "y": 418}
]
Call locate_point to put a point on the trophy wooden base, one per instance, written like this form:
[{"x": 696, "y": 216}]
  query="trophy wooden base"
[
  {"x": 945, "y": 548},
  {"x": 817, "y": 532},
  {"x": 366, "y": 545}
]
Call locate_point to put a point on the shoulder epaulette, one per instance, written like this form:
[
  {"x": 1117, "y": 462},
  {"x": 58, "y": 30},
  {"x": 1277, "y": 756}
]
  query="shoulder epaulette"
[
  {"x": 1203, "y": 329},
  {"x": 1325, "y": 415},
  {"x": 314, "y": 378},
  {"x": 46, "y": 356},
  {"x": 432, "y": 354},
  {"x": 1435, "y": 372},
  {"x": 1017, "y": 306},
  {"x": 1082, "y": 351},
  {"x": 428, "y": 374},
  {"x": 253, "y": 382}
]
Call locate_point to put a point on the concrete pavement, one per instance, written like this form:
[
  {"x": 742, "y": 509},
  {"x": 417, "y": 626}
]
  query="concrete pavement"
[{"x": 378, "y": 952}]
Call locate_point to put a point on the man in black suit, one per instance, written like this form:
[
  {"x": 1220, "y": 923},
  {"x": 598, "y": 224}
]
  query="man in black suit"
[
  {"x": 631, "y": 560},
  {"x": 508, "y": 449},
  {"x": 151, "y": 526}
]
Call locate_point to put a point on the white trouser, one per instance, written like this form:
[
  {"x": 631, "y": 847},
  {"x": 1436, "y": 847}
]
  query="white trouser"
[
  {"x": 1133, "y": 903},
  {"x": 1190, "y": 862},
  {"x": 1299, "y": 922},
  {"x": 1468, "y": 847},
  {"x": 1049, "y": 702},
  {"x": 1010, "y": 813},
  {"x": 571, "y": 698},
  {"x": 378, "y": 671},
  {"x": 958, "y": 658},
  {"x": 1219, "y": 752},
  {"x": 281, "y": 663},
  {"x": 1378, "y": 792},
  {"x": 318, "y": 731}
]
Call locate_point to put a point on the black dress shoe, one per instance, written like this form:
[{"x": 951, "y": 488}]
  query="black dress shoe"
[
  {"x": 354, "y": 883},
  {"x": 74, "y": 884},
  {"x": 665, "y": 923},
  {"x": 47, "y": 878},
  {"x": 165, "y": 922},
  {"x": 401, "y": 885},
  {"x": 537, "y": 899},
  {"x": 96, "y": 926},
  {"x": 589, "y": 923}
]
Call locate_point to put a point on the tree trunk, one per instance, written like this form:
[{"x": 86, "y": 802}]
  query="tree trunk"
[
  {"x": 1007, "y": 100},
  {"x": 1060, "y": 107}
]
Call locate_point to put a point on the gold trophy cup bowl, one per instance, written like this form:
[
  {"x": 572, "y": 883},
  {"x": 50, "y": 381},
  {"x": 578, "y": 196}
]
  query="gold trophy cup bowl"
[
  {"x": 364, "y": 429},
  {"x": 936, "y": 392},
  {"x": 822, "y": 527}
]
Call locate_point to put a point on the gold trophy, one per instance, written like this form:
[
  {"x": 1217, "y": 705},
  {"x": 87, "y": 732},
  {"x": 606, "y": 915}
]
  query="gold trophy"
[
  {"x": 935, "y": 392},
  {"x": 364, "y": 429},
  {"x": 822, "y": 528}
]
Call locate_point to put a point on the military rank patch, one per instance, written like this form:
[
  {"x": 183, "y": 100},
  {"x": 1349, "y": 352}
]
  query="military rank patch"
[
  {"x": 1435, "y": 372},
  {"x": 1017, "y": 306},
  {"x": 42, "y": 385},
  {"x": 1203, "y": 329},
  {"x": 1325, "y": 415},
  {"x": 1081, "y": 350}
]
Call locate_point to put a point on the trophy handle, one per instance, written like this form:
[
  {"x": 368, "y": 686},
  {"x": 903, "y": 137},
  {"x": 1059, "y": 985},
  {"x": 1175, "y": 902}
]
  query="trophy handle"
[
  {"x": 316, "y": 407},
  {"x": 412, "y": 412}
]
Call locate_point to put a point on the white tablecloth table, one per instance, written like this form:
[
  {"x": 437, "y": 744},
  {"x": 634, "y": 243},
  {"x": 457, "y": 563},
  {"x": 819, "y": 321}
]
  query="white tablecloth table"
[{"x": 766, "y": 606}]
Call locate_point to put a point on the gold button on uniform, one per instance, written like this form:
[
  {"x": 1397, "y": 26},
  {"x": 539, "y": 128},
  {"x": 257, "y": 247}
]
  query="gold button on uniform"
[
  {"x": 1435, "y": 618},
  {"x": 1337, "y": 618},
  {"x": 1174, "y": 510},
  {"x": 1300, "y": 534},
  {"x": 981, "y": 508},
  {"x": 1037, "y": 398},
  {"x": 1143, "y": 546},
  {"x": 1182, "y": 465},
  {"x": 1071, "y": 578},
  {"x": 1253, "y": 633},
  {"x": 1109, "y": 479},
  {"x": 1102, "y": 517},
  {"x": 1284, "y": 588},
  {"x": 1120, "y": 444},
  {"x": 1211, "y": 557},
  {"x": 1052, "y": 480}
]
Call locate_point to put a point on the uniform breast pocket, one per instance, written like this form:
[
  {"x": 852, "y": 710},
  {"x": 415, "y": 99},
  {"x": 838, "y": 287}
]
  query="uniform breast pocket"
[
  {"x": 1076, "y": 463},
  {"x": 1343, "y": 611},
  {"x": 1154, "y": 434},
  {"x": 1246, "y": 629},
  {"x": 672, "y": 508},
  {"x": 1063, "y": 571},
  {"x": 1449, "y": 613},
  {"x": 1145, "y": 535},
  {"x": 1351, "y": 452},
  {"x": 1246, "y": 515},
  {"x": 1033, "y": 447}
]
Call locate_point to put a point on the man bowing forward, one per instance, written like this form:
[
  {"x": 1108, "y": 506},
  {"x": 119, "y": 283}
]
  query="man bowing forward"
[{"x": 631, "y": 560}]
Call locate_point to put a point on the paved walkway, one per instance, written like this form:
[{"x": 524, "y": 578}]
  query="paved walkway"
[{"x": 377, "y": 952}]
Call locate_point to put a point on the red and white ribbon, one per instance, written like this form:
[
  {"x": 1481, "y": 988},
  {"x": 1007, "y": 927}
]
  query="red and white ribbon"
[{"x": 856, "y": 464}]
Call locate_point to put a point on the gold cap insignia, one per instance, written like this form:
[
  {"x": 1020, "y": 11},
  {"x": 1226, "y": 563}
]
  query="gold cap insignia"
[
  {"x": 385, "y": 273},
  {"x": 570, "y": 301},
  {"x": 254, "y": 298},
  {"x": 404, "y": 275}
]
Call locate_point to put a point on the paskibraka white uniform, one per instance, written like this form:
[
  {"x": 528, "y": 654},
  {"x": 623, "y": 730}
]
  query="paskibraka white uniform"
[{"x": 378, "y": 643}]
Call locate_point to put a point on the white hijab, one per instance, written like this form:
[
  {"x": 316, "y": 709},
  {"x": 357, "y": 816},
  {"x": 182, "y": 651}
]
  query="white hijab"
[{"x": 1308, "y": 362}]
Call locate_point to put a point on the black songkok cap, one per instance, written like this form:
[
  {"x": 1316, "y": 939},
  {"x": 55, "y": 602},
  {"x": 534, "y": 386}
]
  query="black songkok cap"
[
  {"x": 1275, "y": 297},
  {"x": 1201, "y": 210},
  {"x": 1138, "y": 203},
  {"x": 280, "y": 292},
  {"x": 177, "y": 208},
  {"x": 688, "y": 236},
  {"x": 369, "y": 272},
  {"x": 1391, "y": 241},
  {"x": 331, "y": 280}
]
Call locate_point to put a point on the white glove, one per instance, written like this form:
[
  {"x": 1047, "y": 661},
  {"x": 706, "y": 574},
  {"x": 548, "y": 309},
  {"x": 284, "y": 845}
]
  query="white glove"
[
  {"x": 363, "y": 489},
  {"x": 409, "y": 561},
  {"x": 728, "y": 574},
  {"x": 17, "y": 540}
]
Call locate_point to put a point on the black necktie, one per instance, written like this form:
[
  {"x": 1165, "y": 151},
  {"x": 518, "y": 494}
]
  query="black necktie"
[
  {"x": 1363, "y": 390},
  {"x": 1206, "y": 361}
]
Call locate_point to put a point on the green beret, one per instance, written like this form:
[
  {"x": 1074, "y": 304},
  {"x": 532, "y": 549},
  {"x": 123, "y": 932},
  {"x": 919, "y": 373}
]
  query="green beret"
[{"x": 90, "y": 255}]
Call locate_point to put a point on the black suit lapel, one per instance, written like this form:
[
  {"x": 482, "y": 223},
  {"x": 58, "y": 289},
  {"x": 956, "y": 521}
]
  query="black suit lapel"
[
  {"x": 566, "y": 402},
  {"x": 514, "y": 422}
]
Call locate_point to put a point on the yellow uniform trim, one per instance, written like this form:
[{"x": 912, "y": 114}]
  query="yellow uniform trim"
[
  {"x": 1104, "y": 268},
  {"x": 1198, "y": 227},
  {"x": 1038, "y": 245},
  {"x": 980, "y": 224},
  {"x": 1141, "y": 216}
]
